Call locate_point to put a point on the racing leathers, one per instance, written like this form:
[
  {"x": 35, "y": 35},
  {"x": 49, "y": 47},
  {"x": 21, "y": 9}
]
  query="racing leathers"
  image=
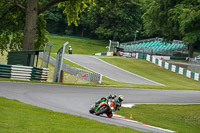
[{"x": 110, "y": 97}]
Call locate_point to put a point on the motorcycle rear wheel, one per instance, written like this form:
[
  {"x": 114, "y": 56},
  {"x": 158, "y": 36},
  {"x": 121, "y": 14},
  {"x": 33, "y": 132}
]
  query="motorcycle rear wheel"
[{"x": 110, "y": 115}]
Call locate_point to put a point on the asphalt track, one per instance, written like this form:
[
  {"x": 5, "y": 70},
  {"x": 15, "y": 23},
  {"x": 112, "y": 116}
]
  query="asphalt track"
[
  {"x": 108, "y": 70},
  {"x": 77, "y": 100}
]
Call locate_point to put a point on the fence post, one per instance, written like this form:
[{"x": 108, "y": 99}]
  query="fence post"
[{"x": 59, "y": 63}]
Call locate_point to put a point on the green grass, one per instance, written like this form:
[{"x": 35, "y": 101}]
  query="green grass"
[
  {"x": 180, "y": 118},
  {"x": 171, "y": 80},
  {"x": 79, "y": 46},
  {"x": 18, "y": 117}
]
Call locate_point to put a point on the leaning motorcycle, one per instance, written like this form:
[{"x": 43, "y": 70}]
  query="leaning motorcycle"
[{"x": 104, "y": 108}]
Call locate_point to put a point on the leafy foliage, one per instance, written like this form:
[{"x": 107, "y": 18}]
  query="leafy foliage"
[
  {"x": 187, "y": 15},
  {"x": 12, "y": 20},
  {"x": 174, "y": 19},
  {"x": 108, "y": 19},
  {"x": 156, "y": 20},
  {"x": 73, "y": 8},
  {"x": 114, "y": 19},
  {"x": 56, "y": 20}
]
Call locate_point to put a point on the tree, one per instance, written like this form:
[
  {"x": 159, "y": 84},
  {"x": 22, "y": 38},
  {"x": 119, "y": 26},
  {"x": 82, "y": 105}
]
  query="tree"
[
  {"x": 11, "y": 21},
  {"x": 108, "y": 19},
  {"x": 114, "y": 19},
  {"x": 14, "y": 14},
  {"x": 174, "y": 19},
  {"x": 187, "y": 15},
  {"x": 56, "y": 20}
]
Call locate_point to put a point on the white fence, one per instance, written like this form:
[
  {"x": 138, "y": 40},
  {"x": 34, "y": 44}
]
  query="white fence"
[
  {"x": 91, "y": 77},
  {"x": 173, "y": 68}
]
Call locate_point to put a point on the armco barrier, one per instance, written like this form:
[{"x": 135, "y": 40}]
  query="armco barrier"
[
  {"x": 21, "y": 72},
  {"x": 17, "y": 72},
  {"x": 93, "y": 77},
  {"x": 40, "y": 74},
  {"x": 173, "y": 68},
  {"x": 5, "y": 71}
]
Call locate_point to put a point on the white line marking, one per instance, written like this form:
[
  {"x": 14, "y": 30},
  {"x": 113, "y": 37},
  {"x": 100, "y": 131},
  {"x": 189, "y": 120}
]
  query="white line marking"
[
  {"x": 128, "y": 105},
  {"x": 128, "y": 71}
]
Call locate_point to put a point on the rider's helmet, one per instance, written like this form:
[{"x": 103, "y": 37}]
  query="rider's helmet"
[{"x": 120, "y": 98}]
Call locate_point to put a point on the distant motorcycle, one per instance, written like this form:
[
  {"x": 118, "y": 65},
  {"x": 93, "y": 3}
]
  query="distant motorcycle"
[{"x": 106, "y": 107}]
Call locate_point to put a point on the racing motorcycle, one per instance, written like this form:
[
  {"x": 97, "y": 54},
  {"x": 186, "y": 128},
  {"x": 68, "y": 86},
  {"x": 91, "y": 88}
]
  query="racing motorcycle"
[{"x": 106, "y": 107}]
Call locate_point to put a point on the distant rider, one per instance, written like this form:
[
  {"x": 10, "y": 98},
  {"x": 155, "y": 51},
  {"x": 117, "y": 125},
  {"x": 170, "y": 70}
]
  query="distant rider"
[
  {"x": 70, "y": 49},
  {"x": 117, "y": 101}
]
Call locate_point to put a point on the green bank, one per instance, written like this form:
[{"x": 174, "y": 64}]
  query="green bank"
[
  {"x": 170, "y": 80},
  {"x": 79, "y": 46},
  {"x": 179, "y": 118}
]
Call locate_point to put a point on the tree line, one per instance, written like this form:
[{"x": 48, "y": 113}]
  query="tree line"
[{"x": 25, "y": 22}]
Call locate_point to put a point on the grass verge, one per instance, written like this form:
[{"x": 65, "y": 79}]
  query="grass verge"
[
  {"x": 179, "y": 118},
  {"x": 79, "y": 46},
  {"x": 23, "y": 118},
  {"x": 171, "y": 80}
]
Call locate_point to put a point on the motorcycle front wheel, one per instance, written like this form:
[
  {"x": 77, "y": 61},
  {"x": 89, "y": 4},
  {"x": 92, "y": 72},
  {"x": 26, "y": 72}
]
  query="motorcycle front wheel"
[
  {"x": 101, "y": 110},
  {"x": 91, "y": 110}
]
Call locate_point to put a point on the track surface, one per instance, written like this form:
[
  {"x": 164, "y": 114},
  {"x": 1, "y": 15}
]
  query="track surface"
[
  {"x": 108, "y": 70},
  {"x": 77, "y": 100}
]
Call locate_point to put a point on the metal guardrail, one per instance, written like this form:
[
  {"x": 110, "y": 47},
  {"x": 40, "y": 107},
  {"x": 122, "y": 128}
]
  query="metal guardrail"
[
  {"x": 177, "y": 41},
  {"x": 21, "y": 72},
  {"x": 5, "y": 71},
  {"x": 194, "y": 65},
  {"x": 91, "y": 77},
  {"x": 40, "y": 74}
]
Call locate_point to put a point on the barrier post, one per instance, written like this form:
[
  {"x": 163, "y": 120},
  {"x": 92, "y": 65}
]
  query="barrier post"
[{"x": 62, "y": 74}]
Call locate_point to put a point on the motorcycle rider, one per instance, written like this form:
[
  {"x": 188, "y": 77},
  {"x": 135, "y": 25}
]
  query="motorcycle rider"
[{"x": 117, "y": 101}]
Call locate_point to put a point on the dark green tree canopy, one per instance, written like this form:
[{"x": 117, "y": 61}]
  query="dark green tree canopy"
[
  {"x": 15, "y": 28},
  {"x": 107, "y": 19},
  {"x": 56, "y": 20},
  {"x": 174, "y": 19},
  {"x": 114, "y": 19}
]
